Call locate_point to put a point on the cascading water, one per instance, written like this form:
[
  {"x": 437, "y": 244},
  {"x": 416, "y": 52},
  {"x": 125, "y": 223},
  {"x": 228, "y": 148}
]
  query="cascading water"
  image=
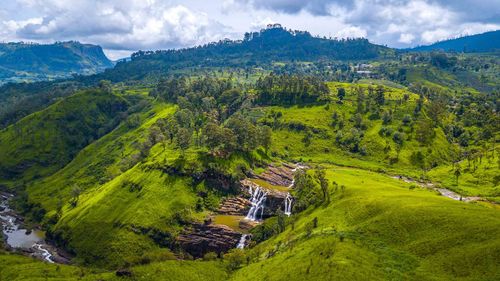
[
  {"x": 258, "y": 199},
  {"x": 45, "y": 253},
  {"x": 288, "y": 204},
  {"x": 241, "y": 243}
]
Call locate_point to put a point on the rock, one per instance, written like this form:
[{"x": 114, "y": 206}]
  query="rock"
[
  {"x": 234, "y": 206},
  {"x": 124, "y": 272},
  {"x": 201, "y": 239},
  {"x": 281, "y": 176},
  {"x": 248, "y": 224}
]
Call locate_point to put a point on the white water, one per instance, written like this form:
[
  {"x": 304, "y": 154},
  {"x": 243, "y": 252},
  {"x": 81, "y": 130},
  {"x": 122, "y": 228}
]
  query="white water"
[
  {"x": 288, "y": 204},
  {"x": 241, "y": 244},
  {"x": 298, "y": 167},
  {"x": 258, "y": 198},
  {"x": 45, "y": 253}
]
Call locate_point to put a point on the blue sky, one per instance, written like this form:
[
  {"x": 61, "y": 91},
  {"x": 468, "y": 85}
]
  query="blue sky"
[{"x": 123, "y": 26}]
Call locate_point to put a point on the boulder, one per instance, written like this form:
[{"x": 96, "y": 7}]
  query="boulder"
[{"x": 200, "y": 239}]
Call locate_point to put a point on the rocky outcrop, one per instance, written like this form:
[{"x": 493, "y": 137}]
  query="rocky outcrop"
[
  {"x": 281, "y": 176},
  {"x": 234, "y": 206},
  {"x": 200, "y": 239}
]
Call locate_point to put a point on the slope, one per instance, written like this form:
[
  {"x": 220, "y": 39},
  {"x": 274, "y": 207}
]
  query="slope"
[
  {"x": 43, "y": 142},
  {"x": 378, "y": 228}
]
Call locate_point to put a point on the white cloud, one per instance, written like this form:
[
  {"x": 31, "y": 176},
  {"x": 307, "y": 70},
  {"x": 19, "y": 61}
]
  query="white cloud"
[
  {"x": 406, "y": 38},
  {"x": 352, "y": 32},
  {"x": 116, "y": 25},
  {"x": 121, "y": 26}
]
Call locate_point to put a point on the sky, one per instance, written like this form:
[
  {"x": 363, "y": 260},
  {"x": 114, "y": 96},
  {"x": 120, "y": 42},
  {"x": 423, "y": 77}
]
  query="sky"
[{"x": 124, "y": 26}]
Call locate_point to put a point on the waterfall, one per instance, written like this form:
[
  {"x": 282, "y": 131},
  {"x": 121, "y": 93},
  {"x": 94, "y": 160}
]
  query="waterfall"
[
  {"x": 288, "y": 204},
  {"x": 243, "y": 240},
  {"x": 258, "y": 199}
]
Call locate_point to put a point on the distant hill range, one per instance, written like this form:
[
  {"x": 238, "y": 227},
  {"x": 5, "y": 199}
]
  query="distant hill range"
[
  {"x": 35, "y": 62},
  {"x": 479, "y": 43},
  {"x": 272, "y": 44}
]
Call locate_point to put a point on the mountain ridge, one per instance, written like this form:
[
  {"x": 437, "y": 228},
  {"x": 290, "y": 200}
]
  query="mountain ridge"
[
  {"x": 35, "y": 62},
  {"x": 483, "y": 42}
]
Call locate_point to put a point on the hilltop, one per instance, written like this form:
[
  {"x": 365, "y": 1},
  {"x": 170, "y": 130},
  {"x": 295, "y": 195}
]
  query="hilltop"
[{"x": 35, "y": 62}]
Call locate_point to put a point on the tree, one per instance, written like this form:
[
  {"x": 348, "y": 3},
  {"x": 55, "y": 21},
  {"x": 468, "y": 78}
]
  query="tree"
[
  {"x": 320, "y": 176},
  {"x": 360, "y": 100},
  {"x": 265, "y": 137},
  {"x": 75, "y": 195},
  {"x": 213, "y": 136},
  {"x": 386, "y": 117},
  {"x": 379, "y": 95},
  {"x": 341, "y": 94},
  {"x": 183, "y": 139},
  {"x": 424, "y": 132},
  {"x": 105, "y": 86},
  {"x": 457, "y": 173},
  {"x": 418, "y": 159}
]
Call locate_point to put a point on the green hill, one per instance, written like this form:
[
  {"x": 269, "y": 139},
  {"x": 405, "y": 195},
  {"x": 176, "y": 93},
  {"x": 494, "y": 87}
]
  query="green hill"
[
  {"x": 365, "y": 146},
  {"x": 45, "y": 141},
  {"x": 35, "y": 62}
]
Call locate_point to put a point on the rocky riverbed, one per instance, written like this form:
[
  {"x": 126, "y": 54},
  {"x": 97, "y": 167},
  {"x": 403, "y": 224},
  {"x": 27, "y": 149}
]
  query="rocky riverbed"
[
  {"x": 27, "y": 241},
  {"x": 261, "y": 197}
]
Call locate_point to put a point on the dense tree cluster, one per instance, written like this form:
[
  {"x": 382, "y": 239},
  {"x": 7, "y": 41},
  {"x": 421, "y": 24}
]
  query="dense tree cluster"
[
  {"x": 211, "y": 114},
  {"x": 288, "y": 90}
]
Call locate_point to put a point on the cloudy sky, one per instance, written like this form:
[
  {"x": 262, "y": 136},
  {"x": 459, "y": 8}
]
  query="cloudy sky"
[{"x": 123, "y": 26}]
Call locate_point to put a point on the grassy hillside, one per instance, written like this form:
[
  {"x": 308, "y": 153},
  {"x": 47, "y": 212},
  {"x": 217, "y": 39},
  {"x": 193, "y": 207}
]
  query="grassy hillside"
[
  {"x": 45, "y": 141},
  {"x": 17, "y": 268},
  {"x": 117, "y": 197},
  {"x": 310, "y": 133},
  {"x": 379, "y": 228}
]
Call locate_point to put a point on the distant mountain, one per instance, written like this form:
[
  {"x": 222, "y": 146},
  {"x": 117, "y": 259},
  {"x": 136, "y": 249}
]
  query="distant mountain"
[
  {"x": 479, "y": 43},
  {"x": 273, "y": 44},
  {"x": 36, "y": 62}
]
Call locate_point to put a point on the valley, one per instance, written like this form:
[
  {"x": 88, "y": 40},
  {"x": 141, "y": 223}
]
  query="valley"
[{"x": 264, "y": 162}]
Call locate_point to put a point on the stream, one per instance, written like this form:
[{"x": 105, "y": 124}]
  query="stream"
[
  {"x": 443, "y": 191},
  {"x": 20, "y": 239}
]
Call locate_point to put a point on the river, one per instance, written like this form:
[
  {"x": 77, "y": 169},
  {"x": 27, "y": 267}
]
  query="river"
[{"x": 19, "y": 239}]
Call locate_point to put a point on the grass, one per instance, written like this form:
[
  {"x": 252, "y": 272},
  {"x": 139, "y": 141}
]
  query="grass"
[
  {"x": 108, "y": 226},
  {"x": 389, "y": 232},
  {"x": 379, "y": 228},
  {"x": 478, "y": 178},
  {"x": 45, "y": 141},
  {"x": 17, "y": 268},
  {"x": 97, "y": 163}
]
